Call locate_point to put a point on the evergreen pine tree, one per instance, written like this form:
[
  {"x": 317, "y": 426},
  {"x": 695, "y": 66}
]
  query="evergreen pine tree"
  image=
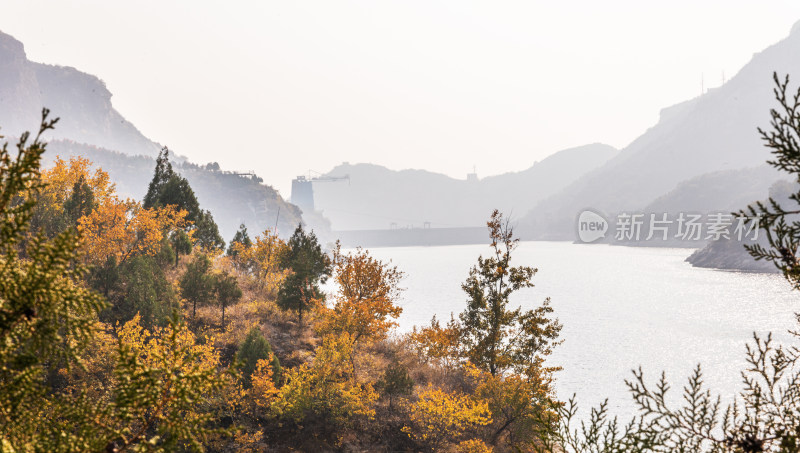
[
  {"x": 46, "y": 314},
  {"x": 241, "y": 237},
  {"x": 255, "y": 347},
  {"x": 181, "y": 244},
  {"x": 206, "y": 232},
  {"x": 169, "y": 188},
  {"x": 227, "y": 291},
  {"x": 196, "y": 283},
  {"x": 80, "y": 203},
  {"x": 309, "y": 267}
]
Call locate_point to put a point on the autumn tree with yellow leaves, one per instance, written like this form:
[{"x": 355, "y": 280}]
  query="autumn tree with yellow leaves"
[
  {"x": 326, "y": 388},
  {"x": 365, "y": 303},
  {"x": 78, "y": 374},
  {"x": 438, "y": 417},
  {"x": 71, "y": 190},
  {"x": 260, "y": 258},
  {"x": 438, "y": 345},
  {"x": 75, "y": 195},
  {"x": 152, "y": 398},
  {"x": 523, "y": 407},
  {"x": 121, "y": 229},
  {"x": 163, "y": 378},
  {"x": 364, "y": 306},
  {"x": 122, "y": 240}
]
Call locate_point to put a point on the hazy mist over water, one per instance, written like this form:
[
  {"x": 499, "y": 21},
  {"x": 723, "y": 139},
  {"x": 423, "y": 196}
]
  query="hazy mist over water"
[{"x": 621, "y": 307}]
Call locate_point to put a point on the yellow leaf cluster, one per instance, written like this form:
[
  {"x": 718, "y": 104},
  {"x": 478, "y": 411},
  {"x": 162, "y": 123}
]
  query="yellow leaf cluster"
[
  {"x": 249, "y": 442},
  {"x": 94, "y": 366},
  {"x": 326, "y": 387},
  {"x": 169, "y": 349},
  {"x": 262, "y": 259},
  {"x": 520, "y": 404},
  {"x": 473, "y": 446},
  {"x": 166, "y": 378},
  {"x": 263, "y": 391},
  {"x": 254, "y": 402},
  {"x": 123, "y": 228},
  {"x": 62, "y": 177},
  {"x": 438, "y": 416}
]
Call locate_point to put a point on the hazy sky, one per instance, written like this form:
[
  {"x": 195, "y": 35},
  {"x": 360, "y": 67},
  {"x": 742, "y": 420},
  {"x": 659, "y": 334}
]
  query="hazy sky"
[{"x": 281, "y": 87}]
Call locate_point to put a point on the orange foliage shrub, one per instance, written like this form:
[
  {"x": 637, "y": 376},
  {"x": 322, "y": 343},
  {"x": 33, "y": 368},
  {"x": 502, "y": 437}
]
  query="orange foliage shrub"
[
  {"x": 364, "y": 303},
  {"x": 437, "y": 345}
]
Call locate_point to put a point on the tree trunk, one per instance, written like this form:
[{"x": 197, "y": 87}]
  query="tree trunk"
[{"x": 497, "y": 433}]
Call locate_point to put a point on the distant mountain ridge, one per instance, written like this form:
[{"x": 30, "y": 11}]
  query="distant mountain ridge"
[
  {"x": 89, "y": 126},
  {"x": 81, "y": 100},
  {"x": 711, "y": 133},
  {"x": 377, "y": 197}
]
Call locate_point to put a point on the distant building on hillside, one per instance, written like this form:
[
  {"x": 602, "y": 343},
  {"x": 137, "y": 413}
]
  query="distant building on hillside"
[
  {"x": 472, "y": 177},
  {"x": 303, "y": 190},
  {"x": 303, "y": 193}
]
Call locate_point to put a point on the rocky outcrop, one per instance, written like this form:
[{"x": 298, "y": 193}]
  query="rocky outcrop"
[
  {"x": 728, "y": 255},
  {"x": 81, "y": 100}
]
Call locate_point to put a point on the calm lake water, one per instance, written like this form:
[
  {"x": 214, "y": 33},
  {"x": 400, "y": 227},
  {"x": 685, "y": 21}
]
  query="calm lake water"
[{"x": 621, "y": 307}]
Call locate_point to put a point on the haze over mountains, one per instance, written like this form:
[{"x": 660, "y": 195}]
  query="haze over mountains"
[
  {"x": 377, "y": 197},
  {"x": 683, "y": 154},
  {"x": 81, "y": 100},
  {"x": 703, "y": 155},
  {"x": 89, "y": 126}
]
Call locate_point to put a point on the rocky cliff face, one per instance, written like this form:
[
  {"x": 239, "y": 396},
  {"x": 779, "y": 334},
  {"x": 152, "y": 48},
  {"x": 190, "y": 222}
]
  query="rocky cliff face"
[
  {"x": 20, "y": 99},
  {"x": 82, "y": 101}
]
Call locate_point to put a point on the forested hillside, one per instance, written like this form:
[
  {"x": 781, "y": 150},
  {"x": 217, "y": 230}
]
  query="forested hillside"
[
  {"x": 91, "y": 127},
  {"x": 130, "y": 326},
  {"x": 232, "y": 199}
]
